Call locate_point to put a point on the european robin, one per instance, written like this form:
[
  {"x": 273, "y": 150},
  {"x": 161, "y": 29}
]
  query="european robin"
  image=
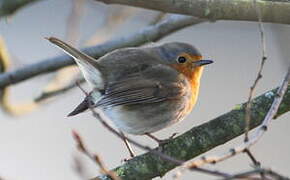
[{"x": 143, "y": 89}]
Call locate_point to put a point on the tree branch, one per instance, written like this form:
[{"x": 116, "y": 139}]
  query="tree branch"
[
  {"x": 9, "y": 7},
  {"x": 149, "y": 34},
  {"x": 273, "y": 11},
  {"x": 201, "y": 139}
]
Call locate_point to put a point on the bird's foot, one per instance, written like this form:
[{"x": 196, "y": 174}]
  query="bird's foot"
[
  {"x": 125, "y": 160},
  {"x": 161, "y": 141},
  {"x": 128, "y": 146}
]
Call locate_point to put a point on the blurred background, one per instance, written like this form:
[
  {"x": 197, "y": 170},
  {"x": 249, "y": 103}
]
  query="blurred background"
[{"x": 39, "y": 144}]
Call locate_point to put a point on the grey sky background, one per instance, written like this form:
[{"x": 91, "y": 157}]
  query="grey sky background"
[{"x": 39, "y": 145}]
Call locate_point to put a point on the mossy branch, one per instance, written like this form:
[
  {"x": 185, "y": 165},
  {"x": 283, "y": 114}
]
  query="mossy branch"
[
  {"x": 272, "y": 11},
  {"x": 200, "y": 139}
]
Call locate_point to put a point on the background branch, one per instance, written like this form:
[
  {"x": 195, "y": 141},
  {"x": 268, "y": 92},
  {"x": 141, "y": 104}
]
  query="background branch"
[
  {"x": 268, "y": 172},
  {"x": 273, "y": 11},
  {"x": 148, "y": 34},
  {"x": 201, "y": 139},
  {"x": 9, "y": 7},
  {"x": 14, "y": 109},
  {"x": 65, "y": 77}
]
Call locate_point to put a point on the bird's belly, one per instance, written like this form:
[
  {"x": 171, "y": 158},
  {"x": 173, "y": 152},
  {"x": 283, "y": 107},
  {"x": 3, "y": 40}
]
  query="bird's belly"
[{"x": 146, "y": 118}]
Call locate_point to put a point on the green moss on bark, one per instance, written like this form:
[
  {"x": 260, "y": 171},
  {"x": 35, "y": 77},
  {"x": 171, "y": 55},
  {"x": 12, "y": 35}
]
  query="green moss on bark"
[{"x": 201, "y": 139}]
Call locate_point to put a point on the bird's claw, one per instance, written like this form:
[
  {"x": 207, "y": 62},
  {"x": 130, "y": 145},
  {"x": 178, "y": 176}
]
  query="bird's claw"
[{"x": 161, "y": 141}]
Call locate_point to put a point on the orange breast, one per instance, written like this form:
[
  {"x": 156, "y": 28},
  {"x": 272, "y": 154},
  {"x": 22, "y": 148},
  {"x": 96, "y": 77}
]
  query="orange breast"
[{"x": 193, "y": 75}]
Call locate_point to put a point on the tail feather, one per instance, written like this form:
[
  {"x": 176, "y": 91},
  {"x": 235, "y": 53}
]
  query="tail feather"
[
  {"x": 88, "y": 65},
  {"x": 83, "y": 106}
]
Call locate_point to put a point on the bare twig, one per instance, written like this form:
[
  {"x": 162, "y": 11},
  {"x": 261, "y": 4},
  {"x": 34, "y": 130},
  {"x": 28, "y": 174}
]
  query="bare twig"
[
  {"x": 256, "y": 171},
  {"x": 252, "y": 157},
  {"x": 128, "y": 146},
  {"x": 257, "y": 135},
  {"x": 79, "y": 167},
  {"x": 49, "y": 94},
  {"x": 95, "y": 158},
  {"x": 259, "y": 75},
  {"x": 252, "y": 88},
  {"x": 256, "y": 163}
]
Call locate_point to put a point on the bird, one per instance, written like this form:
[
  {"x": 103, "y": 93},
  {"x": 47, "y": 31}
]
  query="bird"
[{"x": 141, "y": 89}]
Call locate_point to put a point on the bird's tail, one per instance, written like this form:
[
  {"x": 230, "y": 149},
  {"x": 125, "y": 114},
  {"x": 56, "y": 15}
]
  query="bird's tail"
[
  {"x": 88, "y": 65},
  {"x": 83, "y": 106},
  {"x": 80, "y": 108}
]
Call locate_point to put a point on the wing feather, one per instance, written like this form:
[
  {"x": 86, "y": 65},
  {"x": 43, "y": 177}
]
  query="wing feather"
[
  {"x": 140, "y": 89},
  {"x": 143, "y": 88}
]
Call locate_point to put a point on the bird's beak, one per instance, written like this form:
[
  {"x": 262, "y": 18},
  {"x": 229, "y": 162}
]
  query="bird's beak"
[{"x": 203, "y": 62}]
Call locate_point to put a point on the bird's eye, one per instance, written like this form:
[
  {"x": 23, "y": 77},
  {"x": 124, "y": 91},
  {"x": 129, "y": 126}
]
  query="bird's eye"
[{"x": 181, "y": 59}]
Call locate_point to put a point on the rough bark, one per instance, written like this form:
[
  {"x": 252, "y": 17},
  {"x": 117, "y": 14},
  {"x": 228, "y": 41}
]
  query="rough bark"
[
  {"x": 200, "y": 139},
  {"x": 272, "y": 11}
]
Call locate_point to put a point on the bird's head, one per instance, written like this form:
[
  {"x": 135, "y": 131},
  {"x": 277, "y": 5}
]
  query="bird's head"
[{"x": 184, "y": 58}]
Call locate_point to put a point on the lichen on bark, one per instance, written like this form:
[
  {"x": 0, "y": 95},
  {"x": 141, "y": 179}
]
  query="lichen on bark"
[{"x": 200, "y": 139}]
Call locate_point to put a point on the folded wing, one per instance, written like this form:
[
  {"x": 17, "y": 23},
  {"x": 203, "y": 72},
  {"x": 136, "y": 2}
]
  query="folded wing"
[{"x": 153, "y": 85}]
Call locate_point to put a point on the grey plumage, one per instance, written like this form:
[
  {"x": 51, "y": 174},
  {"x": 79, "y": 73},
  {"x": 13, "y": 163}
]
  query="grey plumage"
[{"x": 137, "y": 88}]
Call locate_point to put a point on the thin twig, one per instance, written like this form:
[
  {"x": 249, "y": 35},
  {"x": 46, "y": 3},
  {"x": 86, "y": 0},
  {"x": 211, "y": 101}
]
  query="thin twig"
[
  {"x": 79, "y": 168},
  {"x": 49, "y": 94},
  {"x": 259, "y": 75},
  {"x": 257, "y": 135},
  {"x": 256, "y": 163},
  {"x": 252, "y": 89},
  {"x": 248, "y": 174},
  {"x": 94, "y": 157},
  {"x": 252, "y": 157},
  {"x": 128, "y": 146}
]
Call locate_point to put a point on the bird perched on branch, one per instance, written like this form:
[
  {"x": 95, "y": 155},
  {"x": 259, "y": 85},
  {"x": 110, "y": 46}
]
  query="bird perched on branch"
[{"x": 143, "y": 89}]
